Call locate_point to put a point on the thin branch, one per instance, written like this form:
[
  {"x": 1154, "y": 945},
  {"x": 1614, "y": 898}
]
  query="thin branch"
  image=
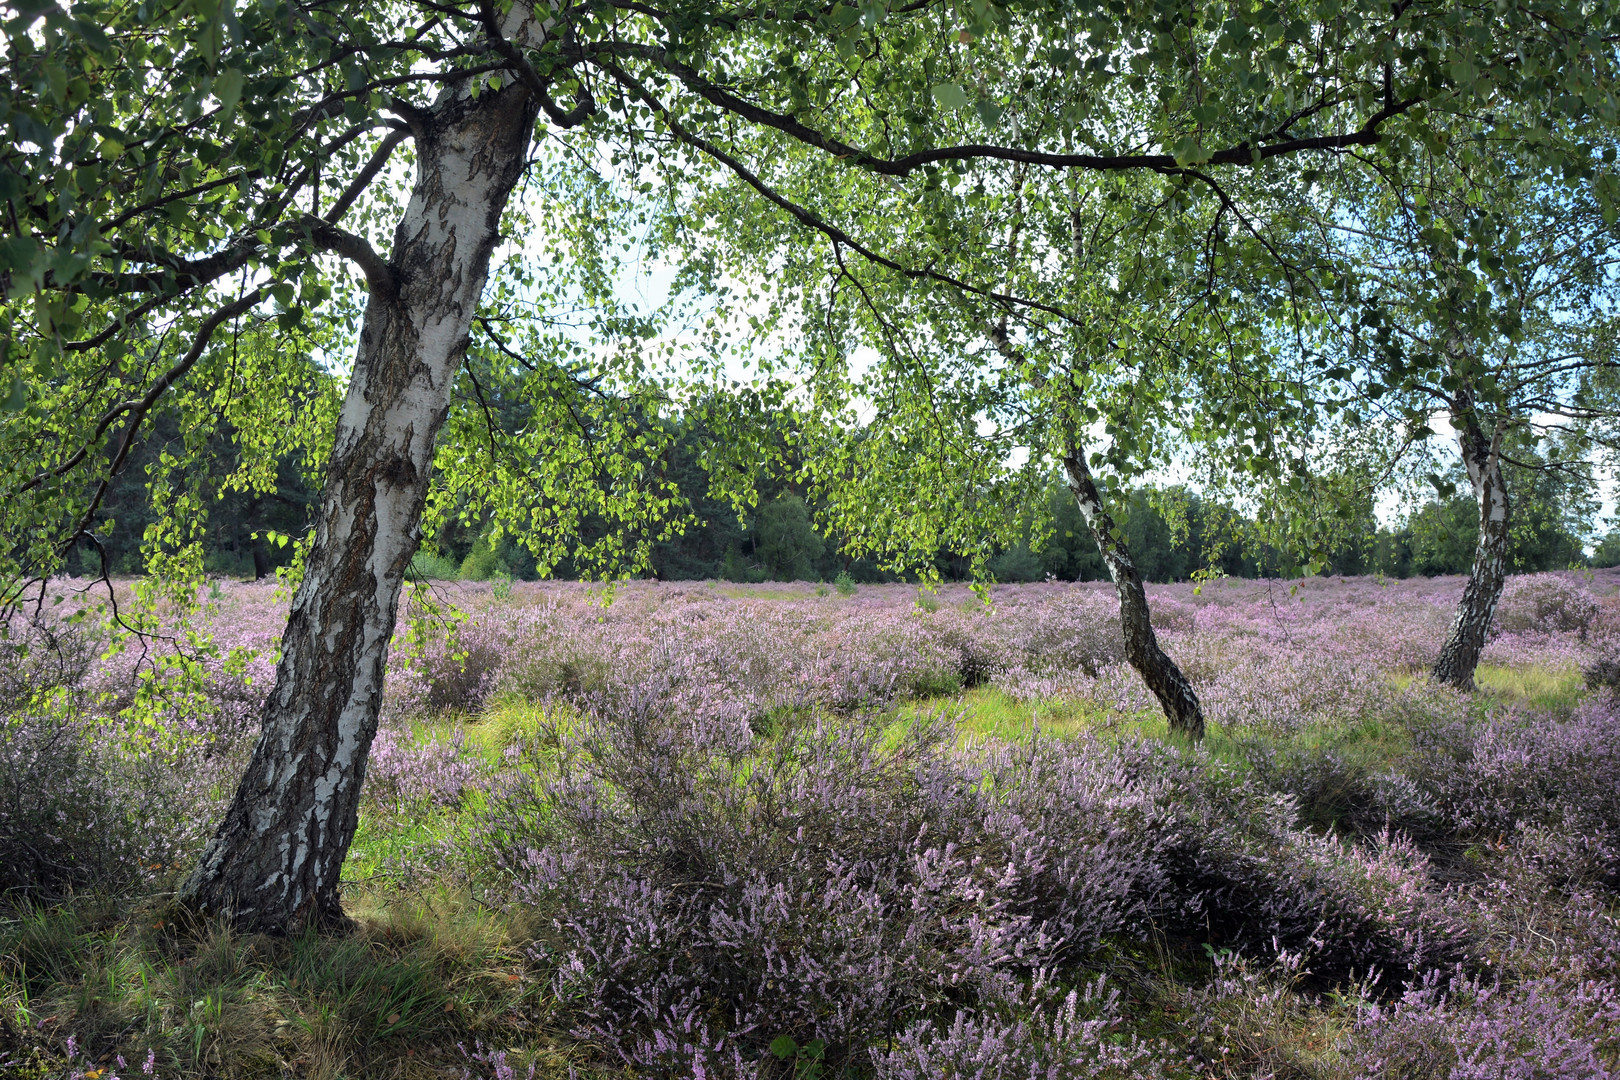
[
  {"x": 810, "y": 218},
  {"x": 366, "y": 175}
]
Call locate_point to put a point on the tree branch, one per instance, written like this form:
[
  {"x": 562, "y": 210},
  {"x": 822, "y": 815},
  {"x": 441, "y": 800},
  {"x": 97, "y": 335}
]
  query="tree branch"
[
  {"x": 810, "y": 218},
  {"x": 381, "y": 278},
  {"x": 1242, "y": 154}
]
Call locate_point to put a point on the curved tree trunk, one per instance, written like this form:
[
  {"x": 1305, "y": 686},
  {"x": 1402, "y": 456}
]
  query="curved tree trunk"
[
  {"x": 274, "y": 863},
  {"x": 1163, "y": 677},
  {"x": 1459, "y": 656}
]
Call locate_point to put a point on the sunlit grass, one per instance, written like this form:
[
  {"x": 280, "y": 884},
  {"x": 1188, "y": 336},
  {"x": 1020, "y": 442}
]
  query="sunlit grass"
[
  {"x": 384, "y": 840},
  {"x": 989, "y": 713},
  {"x": 1549, "y": 687}
]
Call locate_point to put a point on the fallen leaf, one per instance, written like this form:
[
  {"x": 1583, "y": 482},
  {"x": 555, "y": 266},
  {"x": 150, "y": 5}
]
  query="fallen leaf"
[{"x": 393, "y": 1018}]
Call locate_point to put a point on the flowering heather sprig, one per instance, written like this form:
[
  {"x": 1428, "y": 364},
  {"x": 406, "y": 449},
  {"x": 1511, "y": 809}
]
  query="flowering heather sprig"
[
  {"x": 404, "y": 773},
  {"x": 1038, "y": 1033},
  {"x": 80, "y": 1067},
  {"x": 1467, "y": 1029},
  {"x": 484, "y": 1063}
]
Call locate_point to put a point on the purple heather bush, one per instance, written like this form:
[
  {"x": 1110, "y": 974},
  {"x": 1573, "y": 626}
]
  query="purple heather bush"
[
  {"x": 1469, "y": 1029},
  {"x": 1545, "y": 604},
  {"x": 841, "y": 881},
  {"x": 1547, "y": 785},
  {"x": 100, "y": 807},
  {"x": 89, "y": 800},
  {"x": 405, "y": 774}
]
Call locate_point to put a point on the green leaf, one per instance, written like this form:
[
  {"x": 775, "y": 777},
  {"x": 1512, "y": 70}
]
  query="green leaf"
[
  {"x": 17, "y": 253},
  {"x": 950, "y": 96},
  {"x": 56, "y": 79},
  {"x": 989, "y": 113},
  {"x": 228, "y": 89},
  {"x": 17, "y": 397},
  {"x": 1189, "y": 151},
  {"x": 784, "y": 1047}
]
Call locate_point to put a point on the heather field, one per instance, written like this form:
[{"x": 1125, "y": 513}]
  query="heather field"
[{"x": 790, "y": 831}]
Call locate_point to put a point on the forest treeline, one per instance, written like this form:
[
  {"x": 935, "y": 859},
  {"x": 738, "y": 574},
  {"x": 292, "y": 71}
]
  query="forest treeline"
[{"x": 1174, "y": 532}]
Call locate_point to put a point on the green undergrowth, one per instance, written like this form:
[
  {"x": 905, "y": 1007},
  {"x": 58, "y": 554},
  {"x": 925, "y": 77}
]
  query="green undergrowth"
[
  {"x": 1545, "y": 688},
  {"x": 415, "y": 976},
  {"x": 987, "y": 713}
]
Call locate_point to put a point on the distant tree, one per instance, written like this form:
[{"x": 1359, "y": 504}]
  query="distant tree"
[
  {"x": 1607, "y": 553},
  {"x": 1482, "y": 286}
]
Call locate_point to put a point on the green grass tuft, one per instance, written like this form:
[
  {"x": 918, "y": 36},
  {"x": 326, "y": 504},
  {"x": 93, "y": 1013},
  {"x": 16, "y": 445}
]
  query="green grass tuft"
[{"x": 1550, "y": 688}]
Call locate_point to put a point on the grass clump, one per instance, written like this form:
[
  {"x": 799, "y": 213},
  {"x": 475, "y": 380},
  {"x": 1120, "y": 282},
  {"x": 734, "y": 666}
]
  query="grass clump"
[
  {"x": 393, "y": 997},
  {"x": 1543, "y": 687}
]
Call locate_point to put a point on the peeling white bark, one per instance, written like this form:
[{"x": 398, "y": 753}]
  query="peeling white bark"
[{"x": 275, "y": 862}]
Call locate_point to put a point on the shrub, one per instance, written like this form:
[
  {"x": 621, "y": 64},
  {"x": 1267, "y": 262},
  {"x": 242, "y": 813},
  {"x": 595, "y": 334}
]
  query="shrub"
[
  {"x": 405, "y": 774},
  {"x": 1551, "y": 784},
  {"x": 433, "y": 567},
  {"x": 1336, "y": 793},
  {"x": 1602, "y": 673},
  {"x": 482, "y": 560},
  {"x": 89, "y": 801},
  {"x": 1544, "y": 603},
  {"x": 454, "y": 670},
  {"x": 1467, "y": 1029},
  {"x": 709, "y": 892},
  {"x": 90, "y": 807}
]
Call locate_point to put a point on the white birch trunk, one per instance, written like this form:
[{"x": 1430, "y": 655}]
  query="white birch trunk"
[
  {"x": 275, "y": 861},
  {"x": 1459, "y": 656},
  {"x": 1175, "y": 694}
]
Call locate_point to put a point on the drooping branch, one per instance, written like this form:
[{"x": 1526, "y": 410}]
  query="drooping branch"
[
  {"x": 136, "y": 410},
  {"x": 810, "y": 218},
  {"x": 1242, "y": 154}
]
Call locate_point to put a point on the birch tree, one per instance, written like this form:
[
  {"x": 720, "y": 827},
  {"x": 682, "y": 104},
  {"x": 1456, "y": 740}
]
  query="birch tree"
[{"x": 1484, "y": 294}]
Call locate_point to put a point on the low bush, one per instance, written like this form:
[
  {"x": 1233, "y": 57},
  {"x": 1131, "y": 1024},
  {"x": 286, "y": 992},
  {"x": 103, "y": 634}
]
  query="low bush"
[
  {"x": 708, "y": 892},
  {"x": 405, "y": 774},
  {"x": 1548, "y": 784},
  {"x": 1470, "y": 1029},
  {"x": 92, "y": 803},
  {"x": 1544, "y": 603}
]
